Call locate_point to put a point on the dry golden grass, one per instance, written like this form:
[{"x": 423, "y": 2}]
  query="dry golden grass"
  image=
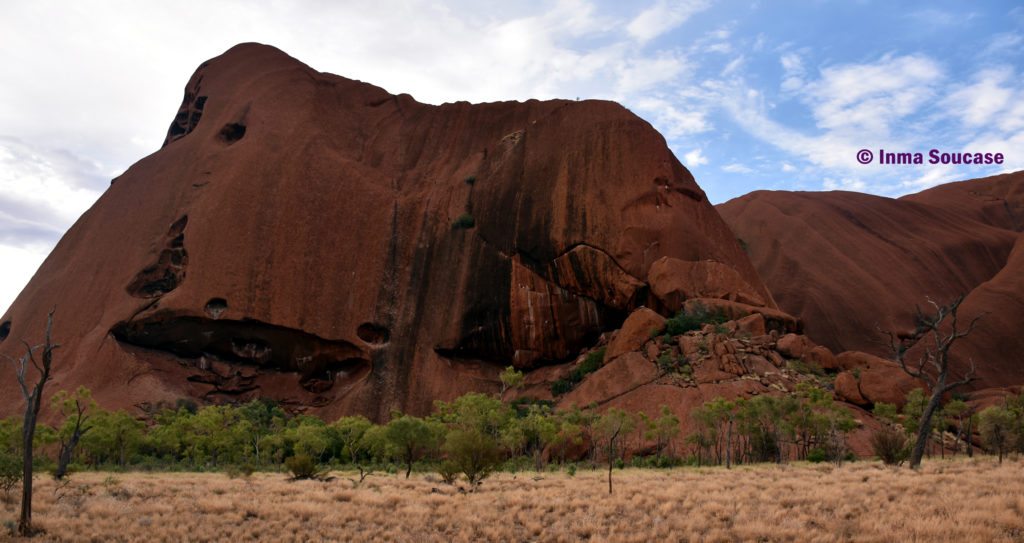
[{"x": 962, "y": 500}]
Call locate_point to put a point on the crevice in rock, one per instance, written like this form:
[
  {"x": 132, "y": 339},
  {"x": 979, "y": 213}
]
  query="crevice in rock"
[
  {"x": 373, "y": 333},
  {"x": 5, "y": 330},
  {"x": 232, "y": 353},
  {"x": 189, "y": 114},
  {"x": 215, "y": 307},
  {"x": 231, "y": 133},
  {"x": 168, "y": 271}
]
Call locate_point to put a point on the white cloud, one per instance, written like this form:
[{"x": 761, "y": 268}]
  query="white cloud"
[
  {"x": 694, "y": 158},
  {"x": 673, "y": 121},
  {"x": 788, "y": 168},
  {"x": 868, "y": 98},
  {"x": 643, "y": 73},
  {"x": 19, "y": 264},
  {"x": 978, "y": 103},
  {"x": 662, "y": 17},
  {"x": 793, "y": 72},
  {"x": 733, "y": 66},
  {"x": 736, "y": 167},
  {"x": 845, "y": 183}
]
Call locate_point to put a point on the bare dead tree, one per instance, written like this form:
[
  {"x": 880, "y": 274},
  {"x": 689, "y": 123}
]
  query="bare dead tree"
[
  {"x": 935, "y": 333},
  {"x": 75, "y": 407},
  {"x": 33, "y": 395}
]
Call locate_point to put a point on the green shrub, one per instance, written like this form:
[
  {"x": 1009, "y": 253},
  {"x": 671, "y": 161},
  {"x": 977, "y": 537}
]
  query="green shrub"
[
  {"x": 695, "y": 319},
  {"x": 302, "y": 466},
  {"x": 560, "y": 387},
  {"x": 470, "y": 180},
  {"x": 805, "y": 368},
  {"x": 590, "y": 364},
  {"x": 571, "y": 470},
  {"x": 817, "y": 455},
  {"x": 464, "y": 221},
  {"x": 890, "y": 445},
  {"x": 448, "y": 471},
  {"x": 10, "y": 472}
]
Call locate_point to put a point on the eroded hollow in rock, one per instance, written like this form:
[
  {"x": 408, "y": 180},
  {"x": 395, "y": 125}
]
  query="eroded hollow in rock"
[
  {"x": 187, "y": 118},
  {"x": 232, "y": 132},
  {"x": 215, "y": 307},
  {"x": 373, "y": 334},
  {"x": 168, "y": 272},
  {"x": 319, "y": 363},
  {"x": 5, "y": 330}
]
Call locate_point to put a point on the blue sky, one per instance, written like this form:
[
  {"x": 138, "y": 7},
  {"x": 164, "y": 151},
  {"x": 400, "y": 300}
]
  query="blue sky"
[{"x": 749, "y": 94}]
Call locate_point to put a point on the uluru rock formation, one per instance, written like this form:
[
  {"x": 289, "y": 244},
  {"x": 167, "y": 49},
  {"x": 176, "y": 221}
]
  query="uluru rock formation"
[
  {"x": 317, "y": 240},
  {"x": 848, "y": 263}
]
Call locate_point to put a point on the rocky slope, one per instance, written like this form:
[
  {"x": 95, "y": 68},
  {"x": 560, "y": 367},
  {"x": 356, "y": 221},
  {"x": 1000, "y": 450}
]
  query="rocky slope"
[
  {"x": 317, "y": 240},
  {"x": 850, "y": 263}
]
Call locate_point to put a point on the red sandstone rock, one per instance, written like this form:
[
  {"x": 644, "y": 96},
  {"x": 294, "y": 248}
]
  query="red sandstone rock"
[
  {"x": 774, "y": 318},
  {"x": 615, "y": 378},
  {"x": 638, "y": 328},
  {"x": 846, "y": 263},
  {"x": 848, "y": 389},
  {"x": 306, "y": 225},
  {"x": 752, "y": 325},
  {"x": 879, "y": 380},
  {"x": 674, "y": 281},
  {"x": 794, "y": 345},
  {"x": 822, "y": 357}
]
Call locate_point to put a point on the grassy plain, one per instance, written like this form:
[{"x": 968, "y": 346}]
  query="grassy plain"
[{"x": 958, "y": 500}]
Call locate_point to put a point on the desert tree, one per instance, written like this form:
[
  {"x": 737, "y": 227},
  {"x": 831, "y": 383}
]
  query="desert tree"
[
  {"x": 996, "y": 424},
  {"x": 511, "y": 379},
  {"x": 77, "y": 409},
  {"x": 39, "y": 358},
  {"x": 935, "y": 334},
  {"x": 349, "y": 432},
  {"x": 611, "y": 428},
  {"x": 412, "y": 438}
]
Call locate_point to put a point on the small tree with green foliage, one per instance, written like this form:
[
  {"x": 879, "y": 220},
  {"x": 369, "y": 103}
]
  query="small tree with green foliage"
[
  {"x": 413, "y": 438},
  {"x": 996, "y": 425},
  {"x": 76, "y": 409},
  {"x": 610, "y": 429},
  {"x": 511, "y": 379}
]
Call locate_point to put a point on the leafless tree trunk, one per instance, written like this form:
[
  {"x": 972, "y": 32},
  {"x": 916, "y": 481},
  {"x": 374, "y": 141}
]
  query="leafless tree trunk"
[
  {"x": 932, "y": 366},
  {"x": 33, "y": 401},
  {"x": 67, "y": 449}
]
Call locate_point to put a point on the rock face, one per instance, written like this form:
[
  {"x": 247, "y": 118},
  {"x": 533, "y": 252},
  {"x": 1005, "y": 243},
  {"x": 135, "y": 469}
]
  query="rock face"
[
  {"x": 317, "y": 240},
  {"x": 685, "y": 371},
  {"x": 846, "y": 263}
]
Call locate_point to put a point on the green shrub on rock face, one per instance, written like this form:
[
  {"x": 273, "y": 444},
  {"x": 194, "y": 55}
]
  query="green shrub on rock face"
[
  {"x": 695, "y": 319},
  {"x": 464, "y": 221},
  {"x": 590, "y": 364}
]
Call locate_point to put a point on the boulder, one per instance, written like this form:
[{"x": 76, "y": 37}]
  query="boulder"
[
  {"x": 615, "y": 378},
  {"x": 847, "y": 389},
  {"x": 639, "y": 327},
  {"x": 774, "y": 319},
  {"x": 752, "y": 325},
  {"x": 879, "y": 380},
  {"x": 794, "y": 346},
  {"x": 822, "y": 357},
  {"x": 673, "y": 281}
]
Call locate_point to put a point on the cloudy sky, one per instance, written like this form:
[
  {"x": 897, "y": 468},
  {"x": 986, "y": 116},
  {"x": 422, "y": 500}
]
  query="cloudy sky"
[{"x": 749, "y": 94}]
